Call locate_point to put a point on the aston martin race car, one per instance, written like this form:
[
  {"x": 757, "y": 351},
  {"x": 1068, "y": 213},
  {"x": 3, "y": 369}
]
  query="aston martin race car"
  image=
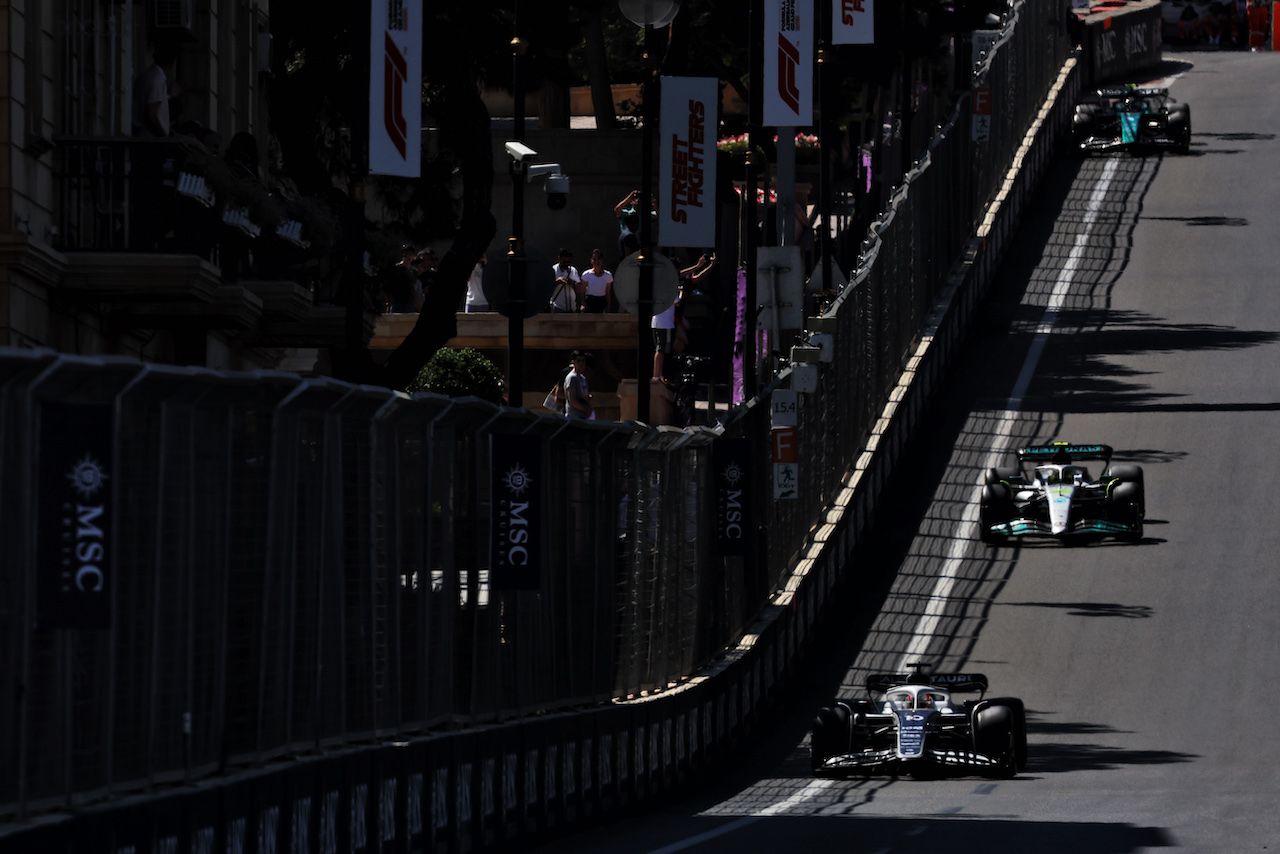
[
  {"x": 1131, "y": 117},
  {"x": 1051, "y": 495},
  {"x": 912, "y": 725}
]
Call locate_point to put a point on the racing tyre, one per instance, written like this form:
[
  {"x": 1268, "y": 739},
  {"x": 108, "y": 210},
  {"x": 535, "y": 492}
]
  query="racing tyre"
[
  {"x": 831, "y": 734},
  {"x": 1018, "y": 713},
  {"x": 1129, "y": 474},
  {"x": 1180, "y": 127},
  {"x": 1127, "y": 502},
  {"x": 993, "y": 737},
  {"x": 999, "y": 474},
  {"x": 997, "y": 507}
]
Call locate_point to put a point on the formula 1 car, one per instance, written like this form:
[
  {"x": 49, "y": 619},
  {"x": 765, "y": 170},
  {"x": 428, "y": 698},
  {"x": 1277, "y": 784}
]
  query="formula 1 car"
[
  {"x": 1131, "y": 117},
  {"x": 1059, "y": 498},
  {"x": 911, "y": 725}
]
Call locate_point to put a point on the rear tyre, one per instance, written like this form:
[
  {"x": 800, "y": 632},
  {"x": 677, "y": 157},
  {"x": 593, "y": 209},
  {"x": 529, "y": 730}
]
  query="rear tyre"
[{"x": 830, "y": 737}]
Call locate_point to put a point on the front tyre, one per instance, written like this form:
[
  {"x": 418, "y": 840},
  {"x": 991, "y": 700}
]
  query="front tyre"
[{"x": 831, "y": 737}]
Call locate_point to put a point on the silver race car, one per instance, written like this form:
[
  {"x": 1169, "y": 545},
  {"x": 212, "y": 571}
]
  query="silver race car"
[
  {"x": 1051, "y": 495},
  {"x": 912, "y": 725}
]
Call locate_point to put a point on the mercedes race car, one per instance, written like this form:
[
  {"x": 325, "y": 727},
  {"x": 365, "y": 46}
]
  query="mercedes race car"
[
  {"x": 912, "y": 725},
  {"x": 1131, "y": 117},
  {"x": 1051, "y": 495}
]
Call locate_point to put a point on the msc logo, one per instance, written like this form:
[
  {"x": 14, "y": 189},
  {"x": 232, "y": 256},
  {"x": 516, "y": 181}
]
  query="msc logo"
[
  {"x": 395, "y": 77},
  {"x": 788, "y": 61},
  {"x": 847, "y": 8}
]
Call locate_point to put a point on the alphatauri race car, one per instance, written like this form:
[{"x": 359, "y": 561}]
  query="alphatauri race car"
[
  {"x": 911, "y": 725},
  {"x": 1058, "y": 498},
  {"x": 1131, "y": 117}
]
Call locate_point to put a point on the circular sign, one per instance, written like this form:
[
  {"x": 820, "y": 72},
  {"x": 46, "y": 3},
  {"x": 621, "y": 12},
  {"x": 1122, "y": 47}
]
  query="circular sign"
[
  {"x": 649, "y": 13},
  {"x": 666, "y": 283},
  {"x": 539, "y": 282}
]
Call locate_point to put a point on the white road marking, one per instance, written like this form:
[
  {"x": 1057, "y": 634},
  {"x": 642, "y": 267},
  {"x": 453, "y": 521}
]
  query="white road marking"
[
  {"x": 1001, "y": 444},
  {"x": 813, "y": 788}
]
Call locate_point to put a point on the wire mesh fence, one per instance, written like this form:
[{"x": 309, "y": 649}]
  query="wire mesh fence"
[{"x": 285, "y": 565}]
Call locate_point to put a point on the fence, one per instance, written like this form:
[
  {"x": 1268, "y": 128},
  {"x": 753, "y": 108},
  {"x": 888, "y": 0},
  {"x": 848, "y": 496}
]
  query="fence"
[{"x": 296, "y": 565}]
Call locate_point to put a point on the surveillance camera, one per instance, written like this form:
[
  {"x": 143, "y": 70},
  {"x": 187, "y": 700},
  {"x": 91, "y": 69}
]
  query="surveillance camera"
[
  {"x": 557, "y": 187},
  {"x": 519, "y": 152}
]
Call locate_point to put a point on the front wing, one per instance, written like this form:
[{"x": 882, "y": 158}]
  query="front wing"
[
  {"x": 888, "y": 760},
  {"x": 1030, "y": 527}
]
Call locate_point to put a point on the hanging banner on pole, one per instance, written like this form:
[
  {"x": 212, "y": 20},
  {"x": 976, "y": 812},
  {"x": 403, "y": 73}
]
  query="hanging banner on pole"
[
  {"x": 515, "y": 515},
  {"x": 686, "y": 175},
  {"x": 788, "y": 63},
  {"x": 853, "y": 22},
  {"x": 395, "y": 88}
]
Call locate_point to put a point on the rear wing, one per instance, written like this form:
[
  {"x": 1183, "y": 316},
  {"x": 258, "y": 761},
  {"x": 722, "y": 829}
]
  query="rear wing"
[
  {"x": 1064, "y": 452},
  {"x": 1122, "y": 91},
  {"x": 882, "y": 682}
]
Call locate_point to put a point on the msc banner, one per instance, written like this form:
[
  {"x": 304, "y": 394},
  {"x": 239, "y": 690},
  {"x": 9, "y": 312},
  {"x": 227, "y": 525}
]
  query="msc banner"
[
  {"x": 515, "y": 515},
  {"x": 687, "y": 176},
  {"x": 731, "y": 467},
  {"x": 395, "y": 88},
  {"x": 853, "y": 22},
  {"x": 788, "y": 63},
  {"x": 74, "y": 515}
]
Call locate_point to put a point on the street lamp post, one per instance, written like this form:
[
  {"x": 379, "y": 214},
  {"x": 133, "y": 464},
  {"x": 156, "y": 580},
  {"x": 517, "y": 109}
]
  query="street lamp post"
[
  {"x": 516, "y": 262},
  {"x": 648, "y": 14}
]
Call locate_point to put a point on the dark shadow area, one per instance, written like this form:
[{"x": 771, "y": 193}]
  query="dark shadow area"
[
  {"x": 1233, "y": 221},
  {"x": 1239, "y": 137},
  {"x": 1050, "y": 757},
  {"x": 1090, "y": 609},
  {"x": 940, "y": 832}
]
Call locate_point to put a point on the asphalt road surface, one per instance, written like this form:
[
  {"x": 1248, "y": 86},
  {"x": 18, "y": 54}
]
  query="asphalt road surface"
[{"x": 1141, "y": 309}]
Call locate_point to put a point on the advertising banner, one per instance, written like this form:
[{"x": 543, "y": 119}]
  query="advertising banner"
[
  {"x": 75, "y": 514},
  {"x": 515, "y": 487},
  {"x": 853, "y": 22},
  {"x": 395, "y": 88},
  {"x": 731, "y": 465},
  {"x": 788, "y": 63},
  {"x": 686, "y": 174}
]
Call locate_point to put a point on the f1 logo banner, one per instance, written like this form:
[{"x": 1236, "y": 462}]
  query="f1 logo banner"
[
  {"x": 687, "y": 176},
  {"x": 515, "y": 514},
  {"x": 788, "y": 63},
  {"x": 395, "y": 88},
  {"x": 853, "y": 22},
  {"x": 731, "y": 467},
  {"x": 74, "y": 516}
]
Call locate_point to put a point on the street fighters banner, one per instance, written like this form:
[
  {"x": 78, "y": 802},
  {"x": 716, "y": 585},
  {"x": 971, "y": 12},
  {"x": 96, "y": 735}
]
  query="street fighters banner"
[
  {"x": 731, "y": 468},
  {"x": 74, "y": 517},
  {"x": 395, "y": 88},
  {"x": 853, "y": 22},
  {"x": 788, "y": 63},
  {"x": 515, "y": 514},
  {"x": 686, "y": 174}
]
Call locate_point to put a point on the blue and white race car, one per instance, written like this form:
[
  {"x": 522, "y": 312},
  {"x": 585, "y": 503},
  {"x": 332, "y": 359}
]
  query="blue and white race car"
[
  {"x": 913, "y": 725},
  {"x": 1051, "y": 495}
]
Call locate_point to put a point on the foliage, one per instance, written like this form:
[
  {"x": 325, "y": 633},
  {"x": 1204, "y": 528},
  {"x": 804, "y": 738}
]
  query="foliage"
[{"x": 458, "y": 373}]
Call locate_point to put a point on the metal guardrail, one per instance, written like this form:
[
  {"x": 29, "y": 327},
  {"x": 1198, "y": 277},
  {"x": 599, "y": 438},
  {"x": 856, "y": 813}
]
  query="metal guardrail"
[{"x": 296, "y": 564}]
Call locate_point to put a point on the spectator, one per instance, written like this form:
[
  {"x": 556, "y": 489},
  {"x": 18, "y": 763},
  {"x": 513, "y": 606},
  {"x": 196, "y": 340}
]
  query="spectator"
[
  {"x": 152, "y": 90},
  {"x": 629, "y": 239},
  {"x": 669, "y": 334},
  {"x": 1257, "y": 25},
  {"x": 154, "y": 167},
  {"x": 404, "y": 291},
  {"x": 476, "y": 300},
  {"x": 568, "y": 283},
  {"x": 577, "y": 396},
  {"x": 598, "y": 283},
  {"x": 1189, "y": 24},
  {"x": 425, "y": 264}
]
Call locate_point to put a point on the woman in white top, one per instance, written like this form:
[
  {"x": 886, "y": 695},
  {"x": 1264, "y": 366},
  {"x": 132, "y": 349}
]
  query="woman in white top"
[{"x": 599, "y": 284}]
